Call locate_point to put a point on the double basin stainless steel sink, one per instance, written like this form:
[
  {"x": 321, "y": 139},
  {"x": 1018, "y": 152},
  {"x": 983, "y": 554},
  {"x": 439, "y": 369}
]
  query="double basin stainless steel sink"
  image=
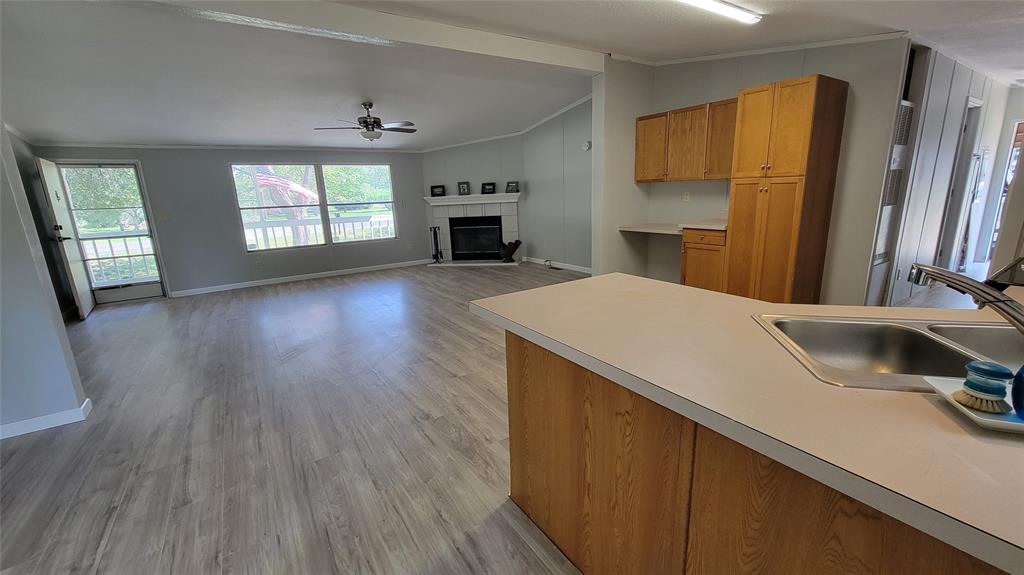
[{"x": 892, "y": 354}]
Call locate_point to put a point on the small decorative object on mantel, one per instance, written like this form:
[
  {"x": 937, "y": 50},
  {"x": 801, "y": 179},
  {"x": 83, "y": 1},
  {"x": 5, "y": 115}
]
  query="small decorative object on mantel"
[
  {"x": 507, "y": 250},
  {"x": 488, "y": 188},
  {"x": 436, "y": 191},
  {"x": 463, "y": 188},
  {"x": 512, "y": 188}
]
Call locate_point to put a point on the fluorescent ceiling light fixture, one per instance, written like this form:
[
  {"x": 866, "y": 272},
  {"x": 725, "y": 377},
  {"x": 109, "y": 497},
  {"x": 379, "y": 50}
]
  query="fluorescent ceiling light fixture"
[{"x": 725, "y": 9}]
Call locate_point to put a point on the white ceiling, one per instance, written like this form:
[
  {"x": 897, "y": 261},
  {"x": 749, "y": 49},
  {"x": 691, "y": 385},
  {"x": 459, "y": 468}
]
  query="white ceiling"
[
  {"x": 101, "y": 73},
  {"x": 986, "y": 35}
]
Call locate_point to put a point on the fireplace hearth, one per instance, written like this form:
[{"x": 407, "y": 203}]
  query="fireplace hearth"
[{"x": 475, "y": 238}]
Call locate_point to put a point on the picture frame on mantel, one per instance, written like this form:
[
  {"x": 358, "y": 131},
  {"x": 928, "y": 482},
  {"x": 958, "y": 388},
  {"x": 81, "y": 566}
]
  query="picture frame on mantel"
[
  {"x": 436, "y": 191},
  {"x": 512, "y": 187},
  {"x": 464, "y": 189},
  {"x": 488, "y": 188}
]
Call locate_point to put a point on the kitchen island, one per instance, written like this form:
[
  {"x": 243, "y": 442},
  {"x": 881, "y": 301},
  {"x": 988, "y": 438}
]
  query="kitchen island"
[{"x": 658, "y": 428}]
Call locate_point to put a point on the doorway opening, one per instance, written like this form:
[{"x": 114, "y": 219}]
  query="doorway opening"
[
  {"x": 1000, "y": 201},
  {"x": 961, "y": 221},
  {"x": 103, "y": 228}
]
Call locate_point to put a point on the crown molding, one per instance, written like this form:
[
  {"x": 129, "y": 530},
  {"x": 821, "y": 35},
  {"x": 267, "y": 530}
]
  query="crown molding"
[{"x": 775, "y": 50}]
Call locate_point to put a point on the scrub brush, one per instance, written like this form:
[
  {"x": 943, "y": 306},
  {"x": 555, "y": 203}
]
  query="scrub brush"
[{"x": 985, "y": 388}]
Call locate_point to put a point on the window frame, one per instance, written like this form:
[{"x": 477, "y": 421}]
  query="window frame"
[
  {"x": 322, "y": 204},
  {"x": 327, "y": 204}
]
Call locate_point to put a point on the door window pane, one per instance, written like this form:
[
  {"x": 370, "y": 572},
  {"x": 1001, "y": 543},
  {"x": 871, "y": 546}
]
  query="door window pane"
[
  {"x": 93, "y": 187},
  {"x": 110, "y": 222}
]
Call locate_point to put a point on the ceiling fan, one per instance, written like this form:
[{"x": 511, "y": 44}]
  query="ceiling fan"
[{"x": 371, "y": 127}]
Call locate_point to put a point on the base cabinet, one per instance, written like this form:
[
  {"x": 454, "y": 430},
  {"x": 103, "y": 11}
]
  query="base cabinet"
[
  {"x": 702, "y": 261},
  {"x": 623, "y": 485}
]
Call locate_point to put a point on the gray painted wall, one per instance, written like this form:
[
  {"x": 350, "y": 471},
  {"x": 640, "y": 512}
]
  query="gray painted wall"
[
  {"x": 498, "y": 161},
  {"x": 875, "y": 73},
  {"x": 553, "y": 171},
  {"x": 554, "y": 216},
  {"x": 38, "y": 375},
  {"x": 621, "y": 93},
  {"x": 191, "y": 196}
]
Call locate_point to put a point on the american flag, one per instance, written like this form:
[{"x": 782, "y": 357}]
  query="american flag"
[{"x": 270, "y": 179}]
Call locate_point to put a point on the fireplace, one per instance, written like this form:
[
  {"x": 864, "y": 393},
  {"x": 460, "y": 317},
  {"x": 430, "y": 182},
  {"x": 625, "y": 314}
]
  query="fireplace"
[{"x": 476, "y": 238}]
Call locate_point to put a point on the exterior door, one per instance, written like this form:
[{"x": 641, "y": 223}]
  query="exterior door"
[
  {"x": 112, "y": 227},
  {"x": 67, "y": 237},
  {"x": 753, "y": 129},
  {"x": 792, "y": 116},
  {"x": 780, "y": 225},
  {"x": 742, "y": 238}
]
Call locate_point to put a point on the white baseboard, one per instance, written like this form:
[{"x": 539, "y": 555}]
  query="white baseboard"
[
  {"x": 24, "y": 426},
  {"x": 286, "y": 279},
  {"x": 563, "y": 265}
]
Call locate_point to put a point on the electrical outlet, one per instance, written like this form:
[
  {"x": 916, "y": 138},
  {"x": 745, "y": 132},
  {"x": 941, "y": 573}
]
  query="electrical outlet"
[{"x": 686, "y": 196}]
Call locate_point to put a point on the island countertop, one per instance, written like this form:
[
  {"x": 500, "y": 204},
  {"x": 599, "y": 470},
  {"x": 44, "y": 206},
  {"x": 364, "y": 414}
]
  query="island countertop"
[{"x": 700, "y": 354}]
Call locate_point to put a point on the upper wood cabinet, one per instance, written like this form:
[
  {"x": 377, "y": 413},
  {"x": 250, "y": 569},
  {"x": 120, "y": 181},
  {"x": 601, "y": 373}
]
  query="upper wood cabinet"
[
  {"x": 774, "y": 124},
  {"x": 753, "y": 128},
  {"x": 779, "y": 215},
  {"x": 687, "y": 143},
  {"x": 651, "y": 137},
  {"x": 721, "y": 134},
  {"x": 792, "y": 114},
  {"x": 694, "y": 143}
]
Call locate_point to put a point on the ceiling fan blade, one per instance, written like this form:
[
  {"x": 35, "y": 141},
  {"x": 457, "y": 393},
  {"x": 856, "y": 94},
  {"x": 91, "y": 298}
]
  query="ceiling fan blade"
[
  {"x": 340, "y": 128},
  {"x": 402, "y": 124},
  {"x": 403, "y": 130}
]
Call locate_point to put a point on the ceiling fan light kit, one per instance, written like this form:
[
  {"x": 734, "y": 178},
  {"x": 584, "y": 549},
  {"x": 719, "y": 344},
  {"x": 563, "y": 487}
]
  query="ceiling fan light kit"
[{"x": 371, "y": 128}]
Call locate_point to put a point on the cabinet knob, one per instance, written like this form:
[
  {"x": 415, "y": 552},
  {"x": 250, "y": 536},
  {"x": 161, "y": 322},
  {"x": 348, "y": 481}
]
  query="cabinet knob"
[
  {"x": 764, "y": 166},
  {"x": 769, "y": 166}
]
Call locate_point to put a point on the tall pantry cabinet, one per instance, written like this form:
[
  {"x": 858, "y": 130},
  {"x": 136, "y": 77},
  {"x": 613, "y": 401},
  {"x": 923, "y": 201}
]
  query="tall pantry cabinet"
[{"x": 785, "y": 157}]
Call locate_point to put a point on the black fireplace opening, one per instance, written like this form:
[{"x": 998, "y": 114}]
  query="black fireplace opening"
[{"x": 476, "y": 238}]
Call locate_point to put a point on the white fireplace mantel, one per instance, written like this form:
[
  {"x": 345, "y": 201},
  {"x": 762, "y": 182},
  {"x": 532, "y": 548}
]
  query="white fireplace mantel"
[{"x": 473, "y": 199}]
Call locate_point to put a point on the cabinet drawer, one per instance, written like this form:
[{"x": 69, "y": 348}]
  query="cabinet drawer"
[{"x": 706, "y": 237}]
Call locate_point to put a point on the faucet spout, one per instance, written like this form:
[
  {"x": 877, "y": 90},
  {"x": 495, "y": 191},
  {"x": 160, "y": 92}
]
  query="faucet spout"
[{"x": 984, "y": 295}]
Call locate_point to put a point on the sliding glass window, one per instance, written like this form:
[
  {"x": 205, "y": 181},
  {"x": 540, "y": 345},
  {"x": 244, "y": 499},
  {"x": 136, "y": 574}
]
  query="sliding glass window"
[
  {"x": 113, "y": 232},
  {"x": 360, "y": 203},
  {"x": 279, "y": 205}
]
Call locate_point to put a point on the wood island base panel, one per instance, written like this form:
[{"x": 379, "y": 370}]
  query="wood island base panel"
[{"x": 623, "y": 485}]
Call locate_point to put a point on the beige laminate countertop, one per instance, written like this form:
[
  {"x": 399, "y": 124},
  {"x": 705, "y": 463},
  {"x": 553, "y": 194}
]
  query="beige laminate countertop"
[
  {"x": 701, "y": 354},
  {"x": 676, "y": 229}
]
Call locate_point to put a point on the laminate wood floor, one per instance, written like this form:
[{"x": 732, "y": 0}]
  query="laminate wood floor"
[{"x": 354, "y": 424}]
